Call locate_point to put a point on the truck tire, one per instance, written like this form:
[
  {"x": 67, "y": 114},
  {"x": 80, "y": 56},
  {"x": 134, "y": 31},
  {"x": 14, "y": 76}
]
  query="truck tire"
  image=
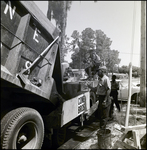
[
  {"x": 59, "y": 136},
  {"x": 22, "y": 128}
]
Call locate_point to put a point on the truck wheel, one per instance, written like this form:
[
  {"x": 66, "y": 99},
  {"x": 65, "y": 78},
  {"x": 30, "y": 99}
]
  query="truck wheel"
[
  {"x": 59, "y": 136},
  {"x": 22, "y": 128}
]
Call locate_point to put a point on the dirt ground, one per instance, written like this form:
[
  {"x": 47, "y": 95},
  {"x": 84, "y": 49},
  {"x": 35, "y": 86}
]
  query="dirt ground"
[{"x": 137, "y": 117}]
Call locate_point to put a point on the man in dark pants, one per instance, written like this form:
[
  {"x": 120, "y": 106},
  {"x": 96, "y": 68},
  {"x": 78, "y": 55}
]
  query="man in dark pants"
[
  {"x": 103, "y": 92},
  {"x": 114, "y": 94}
]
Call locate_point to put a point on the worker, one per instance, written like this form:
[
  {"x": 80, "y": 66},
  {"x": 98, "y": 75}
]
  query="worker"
[
  {"x": 96, "y": 61},
  {"x": 103, "y": 92},
  {"x": 114, "y": 94},
  {"x": 93, "y": 62}
]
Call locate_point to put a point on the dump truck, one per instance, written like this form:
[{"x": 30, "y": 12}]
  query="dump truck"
[{"x": 35, "y": 102}]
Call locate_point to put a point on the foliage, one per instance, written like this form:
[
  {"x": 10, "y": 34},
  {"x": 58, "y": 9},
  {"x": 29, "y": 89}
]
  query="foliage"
[
  {"x": 112, "y": 60},
  {"x": 88, "y": 38},
  {"x": 75, "y": 42},
  {"x": 93, "y": 40},
  {"x": 125, "y": 69},
  {"x": 57, "y": 10},
  {"x": 81, "y": 45},
  {"x": 135, "y": 71},
  {"x": 102, "y": 43}
]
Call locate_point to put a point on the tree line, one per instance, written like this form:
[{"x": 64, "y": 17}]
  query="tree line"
[{"x": 125, "y": 69}]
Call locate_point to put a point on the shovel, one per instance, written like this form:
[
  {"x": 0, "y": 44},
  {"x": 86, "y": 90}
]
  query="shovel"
[{"x": 20, "y": 75}]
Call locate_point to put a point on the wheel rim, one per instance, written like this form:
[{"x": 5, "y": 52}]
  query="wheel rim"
[{"x": 26, "y": 137}]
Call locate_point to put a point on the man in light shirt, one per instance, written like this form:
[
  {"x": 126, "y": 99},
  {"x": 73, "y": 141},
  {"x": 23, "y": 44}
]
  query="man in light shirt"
[{"x": 103, "y": 92}]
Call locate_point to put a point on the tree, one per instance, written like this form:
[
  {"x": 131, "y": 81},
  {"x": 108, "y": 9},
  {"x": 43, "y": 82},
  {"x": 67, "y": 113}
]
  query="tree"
[
  {"x": 135, "y": 71},
  {"x": 103, "y": 44},
  {"x": 49, "y": 11},
  {"x": 58, "y": 10},
  {"x": 124, "y": 69},
  {"x": 98, "y": 41},
  {"x": 62, "y": 27},
  {"x": 76, "y": 48},
  {"x": 108, "y": 57},
  {"x": 115, "y": 68},
  {"x": 76, "y": 39},
  {"x": 112, "y": 60},
  {"x": 88, "y": 38},
  {"x": 81, "y": 45}
]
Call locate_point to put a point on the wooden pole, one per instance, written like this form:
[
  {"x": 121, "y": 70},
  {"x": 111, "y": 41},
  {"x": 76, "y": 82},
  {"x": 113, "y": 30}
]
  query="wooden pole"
[
  {"x": 143, "y": 56},
  {"x": 129, "y": 96}
]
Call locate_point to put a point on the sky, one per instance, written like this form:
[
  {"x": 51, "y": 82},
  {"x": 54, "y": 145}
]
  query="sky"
[{"x": 119, "y": 20}]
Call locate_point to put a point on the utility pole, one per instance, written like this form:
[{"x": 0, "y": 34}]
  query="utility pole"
[{"x": 143, "y": 56}]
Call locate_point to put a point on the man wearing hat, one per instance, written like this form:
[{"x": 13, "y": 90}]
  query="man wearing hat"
[{"x": 103, "y": 92}]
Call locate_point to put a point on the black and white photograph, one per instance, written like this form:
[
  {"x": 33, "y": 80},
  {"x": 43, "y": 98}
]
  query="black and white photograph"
[{"x": 73, "y": 75}]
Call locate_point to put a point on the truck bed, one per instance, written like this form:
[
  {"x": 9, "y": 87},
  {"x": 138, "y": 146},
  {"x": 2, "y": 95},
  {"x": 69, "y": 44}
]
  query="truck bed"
[{"x": 25, "y": 34}]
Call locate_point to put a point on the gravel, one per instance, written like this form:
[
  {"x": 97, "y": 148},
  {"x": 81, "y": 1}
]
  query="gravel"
[{"x": 137, "y": 116}]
